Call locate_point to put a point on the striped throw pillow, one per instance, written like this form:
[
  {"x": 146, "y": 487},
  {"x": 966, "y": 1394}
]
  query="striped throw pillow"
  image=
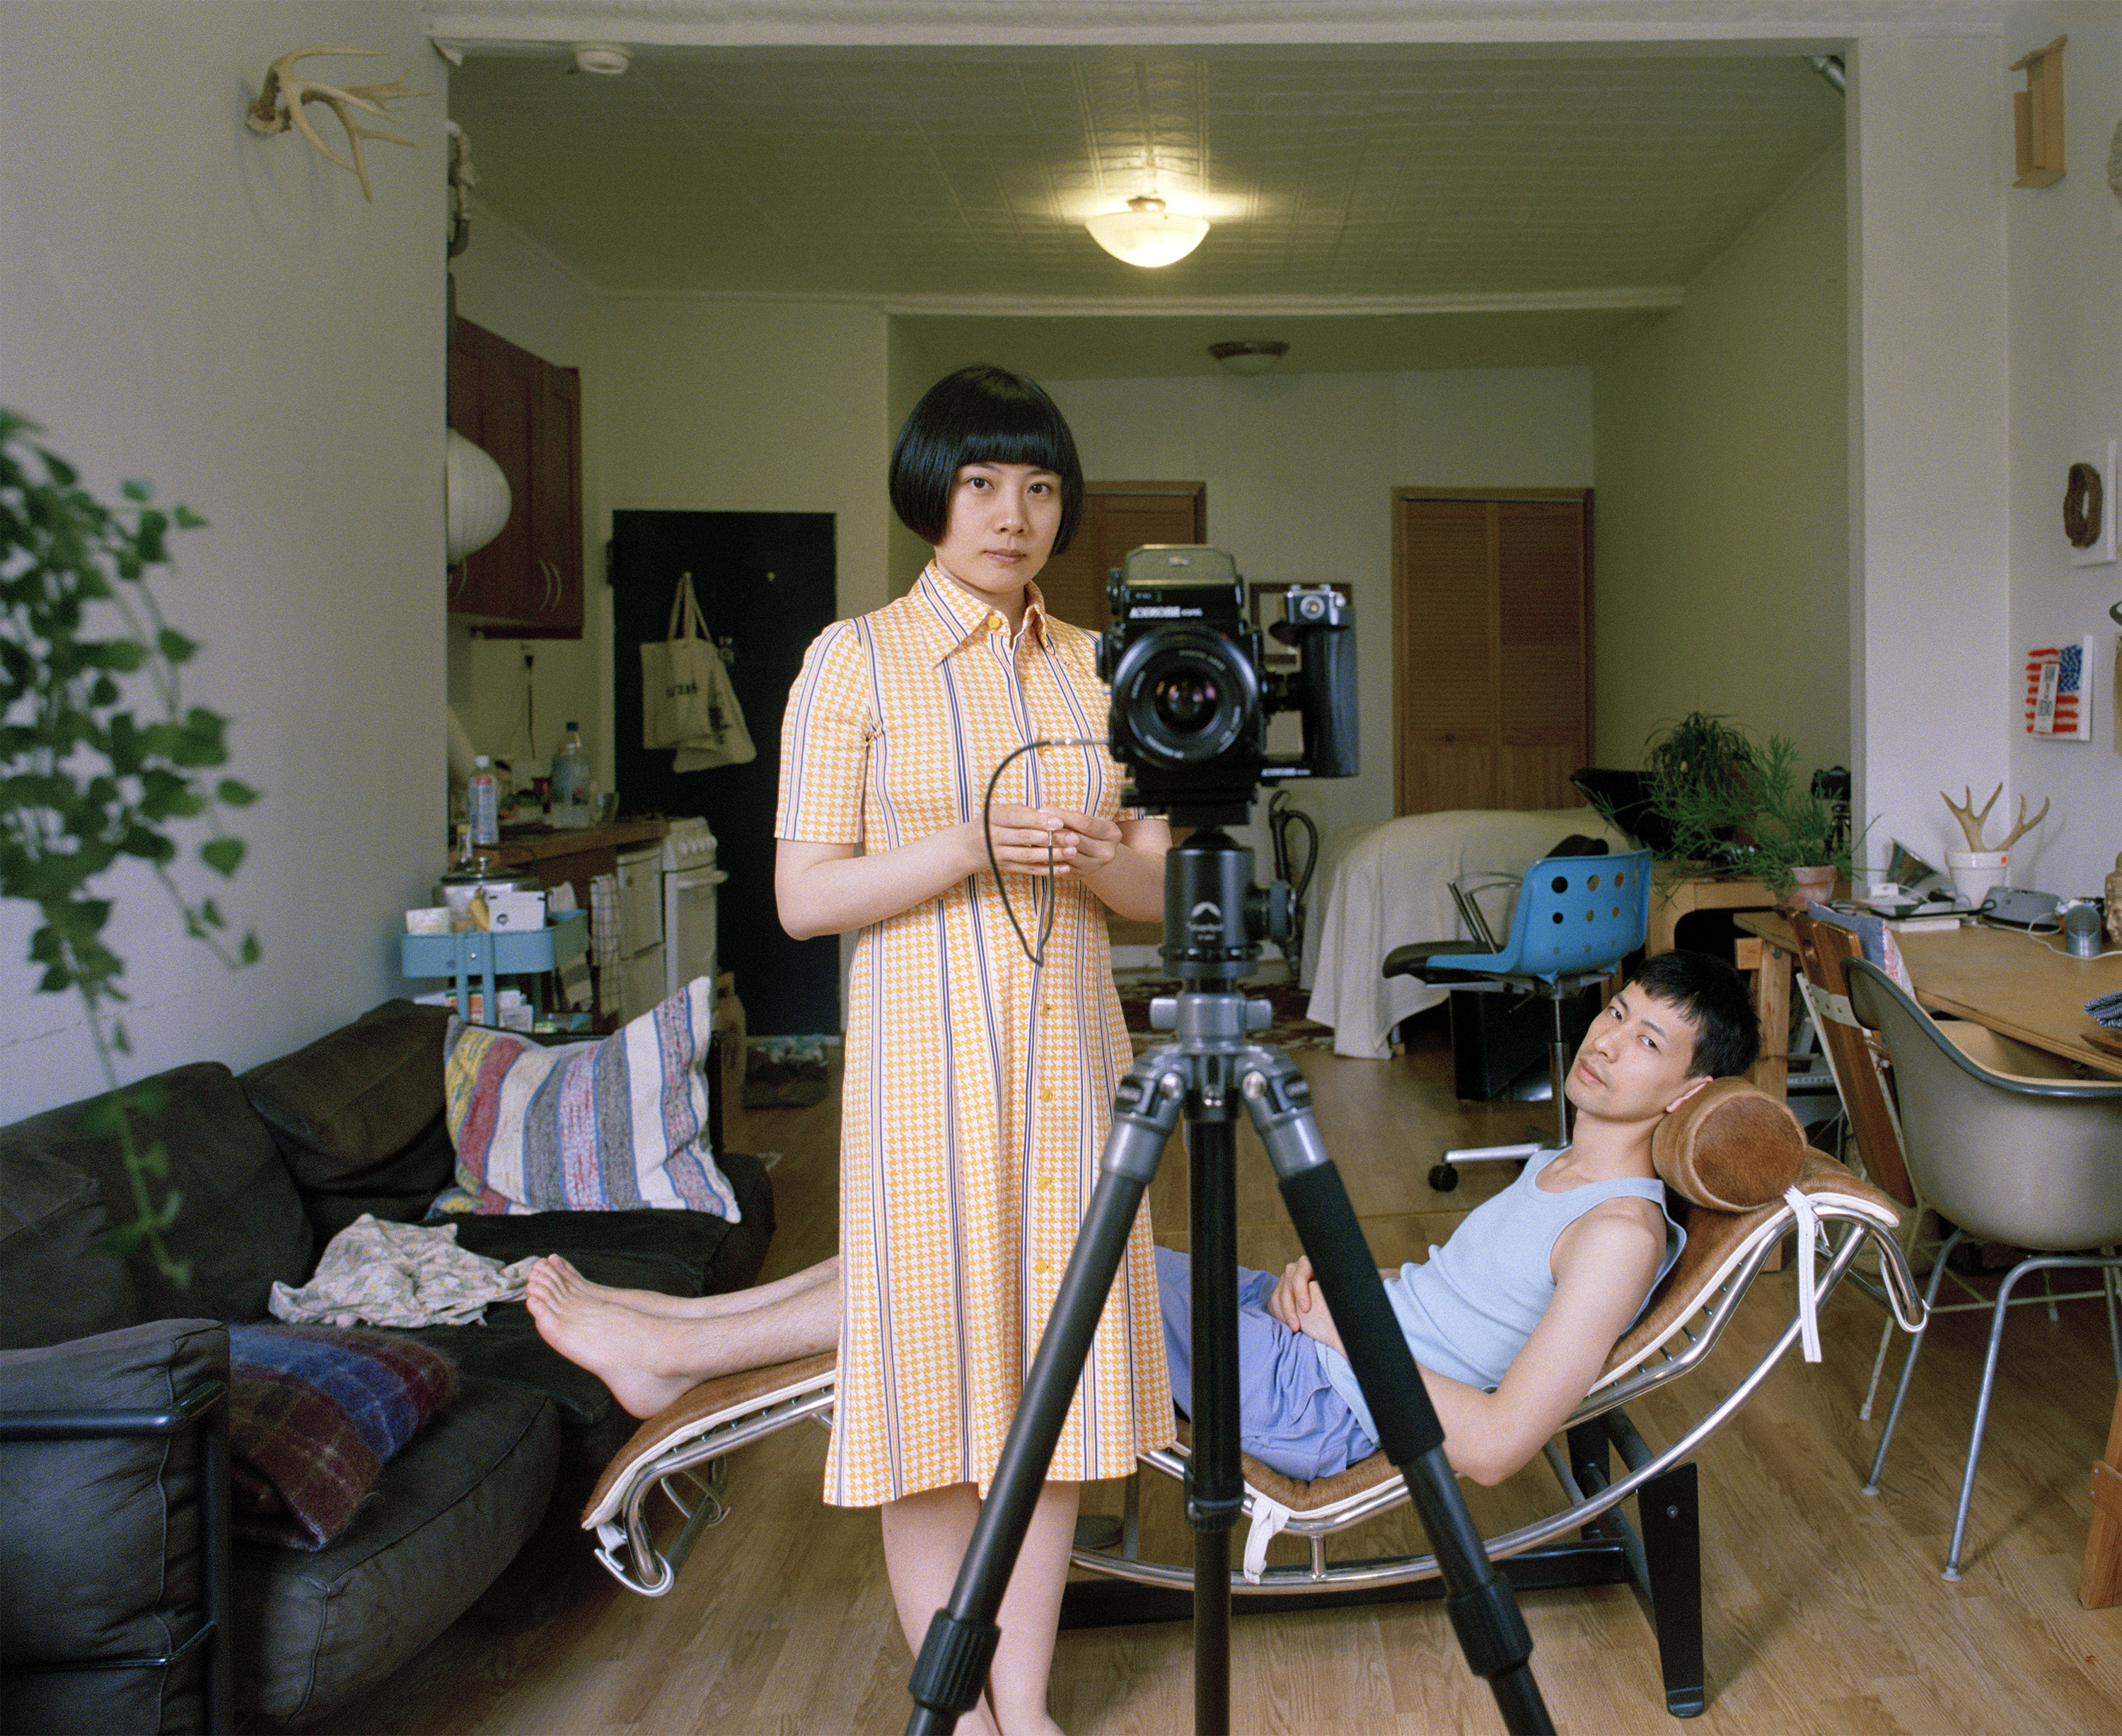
[{"x": 603, "y": 1126}]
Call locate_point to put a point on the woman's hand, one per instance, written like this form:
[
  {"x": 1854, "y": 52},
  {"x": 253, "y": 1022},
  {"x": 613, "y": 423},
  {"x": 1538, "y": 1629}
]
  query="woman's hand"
[
  {"x": 1025, "y": 840},
  {"x": 1082, "y": 843}
]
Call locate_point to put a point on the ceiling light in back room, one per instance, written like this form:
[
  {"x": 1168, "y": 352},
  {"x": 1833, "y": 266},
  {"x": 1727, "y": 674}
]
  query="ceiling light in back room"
[
  {"x": 601, "y": 57},
  {"x": 1146, "y": 233},
  {"x": 1250, "y": 356}
]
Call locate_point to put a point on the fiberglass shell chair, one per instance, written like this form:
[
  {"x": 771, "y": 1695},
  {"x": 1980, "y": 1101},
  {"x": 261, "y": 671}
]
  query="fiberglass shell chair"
[
  {"x": 2034, "y": 1163},
  {"x": 1578, "y": 917}
]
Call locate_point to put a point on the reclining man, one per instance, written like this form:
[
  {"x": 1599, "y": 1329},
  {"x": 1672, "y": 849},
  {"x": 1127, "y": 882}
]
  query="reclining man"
[{"x": 1510, "y": 1321}]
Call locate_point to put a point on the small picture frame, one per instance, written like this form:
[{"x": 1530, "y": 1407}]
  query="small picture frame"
[{"x": 1264, "y": 603}]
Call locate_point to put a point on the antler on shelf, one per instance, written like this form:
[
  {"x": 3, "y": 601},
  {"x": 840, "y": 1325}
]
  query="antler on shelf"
[
  {"x": 2025, "y": 825},
  {"x": 280, "y": 105},
  {"x": 1971, "y": 818}
]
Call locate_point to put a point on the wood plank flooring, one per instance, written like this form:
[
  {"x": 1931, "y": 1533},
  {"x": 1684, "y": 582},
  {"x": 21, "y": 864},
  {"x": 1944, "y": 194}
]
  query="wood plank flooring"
[{"x": 1823, "y": 1611}]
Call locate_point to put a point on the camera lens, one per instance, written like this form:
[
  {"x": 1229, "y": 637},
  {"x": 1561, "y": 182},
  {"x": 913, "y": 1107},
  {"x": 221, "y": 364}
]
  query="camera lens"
[{"x": 1186, "y": 702}]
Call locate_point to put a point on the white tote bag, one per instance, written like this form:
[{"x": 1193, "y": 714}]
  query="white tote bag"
[
  {"x": 727, "y": 740},
  {"x": 678, "y": 677}
]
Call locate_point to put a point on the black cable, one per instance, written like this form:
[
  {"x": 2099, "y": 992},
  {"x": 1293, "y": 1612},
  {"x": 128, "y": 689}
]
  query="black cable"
[{"x": 1037, "y": 955}]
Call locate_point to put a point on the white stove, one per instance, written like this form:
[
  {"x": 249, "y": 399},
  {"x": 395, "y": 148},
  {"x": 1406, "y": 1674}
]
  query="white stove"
[
  {"x": 687, "y": 844},
  {"x": 689, "y": 879}
]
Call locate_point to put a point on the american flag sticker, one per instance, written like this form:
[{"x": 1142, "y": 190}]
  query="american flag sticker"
[{"x": 2058, "y": 703}]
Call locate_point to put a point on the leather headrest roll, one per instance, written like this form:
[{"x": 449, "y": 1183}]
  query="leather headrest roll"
[{"x": 1731, "y": 1147}]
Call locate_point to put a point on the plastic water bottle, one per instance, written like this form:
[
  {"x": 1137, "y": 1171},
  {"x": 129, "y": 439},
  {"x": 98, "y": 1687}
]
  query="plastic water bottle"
[
  {"x": 571, "y": 780},
  {"x": 483, "y": 791}
]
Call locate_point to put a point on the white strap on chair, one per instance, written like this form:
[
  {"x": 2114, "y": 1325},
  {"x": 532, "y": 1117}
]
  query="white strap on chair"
[
  {"x": 1269, "y": 1516},
  {"x": 1810, "y": 1239}
]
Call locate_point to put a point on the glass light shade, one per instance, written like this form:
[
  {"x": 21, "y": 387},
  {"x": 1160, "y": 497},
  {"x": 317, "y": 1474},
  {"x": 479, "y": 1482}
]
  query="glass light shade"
[
  {"x": 1255, "y": 356},
  {"x": 475, "y": 496},
  {"x": 1146, "y": 233}
]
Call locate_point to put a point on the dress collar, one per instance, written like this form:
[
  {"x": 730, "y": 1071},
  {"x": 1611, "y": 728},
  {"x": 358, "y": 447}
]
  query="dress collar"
[{"x": 962, "y": 618}]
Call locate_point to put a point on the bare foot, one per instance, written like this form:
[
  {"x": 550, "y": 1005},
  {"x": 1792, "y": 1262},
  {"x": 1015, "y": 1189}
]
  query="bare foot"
[
  {"x": 644, "y": 1359},
  {"x": 563, "y": 1280}
]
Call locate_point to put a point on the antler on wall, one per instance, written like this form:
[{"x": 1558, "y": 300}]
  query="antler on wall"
[
  {"x": 281, "y": 102},
  {"x": 1971, "y": 818}
]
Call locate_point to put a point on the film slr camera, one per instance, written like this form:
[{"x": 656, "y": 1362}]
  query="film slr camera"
[{"x": 1191, "y": 697}]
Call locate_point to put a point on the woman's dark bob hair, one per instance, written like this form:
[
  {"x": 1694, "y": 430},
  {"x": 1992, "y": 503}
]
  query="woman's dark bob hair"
[{"x": 980, "y": 415}]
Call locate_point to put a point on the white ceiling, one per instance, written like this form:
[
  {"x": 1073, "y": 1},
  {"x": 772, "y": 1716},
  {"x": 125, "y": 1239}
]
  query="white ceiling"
[{"x": 1378, "y": 206}]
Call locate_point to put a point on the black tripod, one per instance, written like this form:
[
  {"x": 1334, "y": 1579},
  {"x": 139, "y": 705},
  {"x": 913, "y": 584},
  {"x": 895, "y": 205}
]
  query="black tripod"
[{"x": 1214, "y": 916}]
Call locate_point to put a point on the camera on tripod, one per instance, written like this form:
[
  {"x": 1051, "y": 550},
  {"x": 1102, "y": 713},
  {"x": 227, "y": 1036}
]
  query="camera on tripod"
[{"x": 1192, "y": 693}]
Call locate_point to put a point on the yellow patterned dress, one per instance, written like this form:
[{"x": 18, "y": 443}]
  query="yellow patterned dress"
[{"x": 978, "y": 1087}]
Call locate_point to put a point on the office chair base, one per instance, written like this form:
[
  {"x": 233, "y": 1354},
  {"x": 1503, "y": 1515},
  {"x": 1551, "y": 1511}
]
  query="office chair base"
[{"x": 1443, "y": 1178}]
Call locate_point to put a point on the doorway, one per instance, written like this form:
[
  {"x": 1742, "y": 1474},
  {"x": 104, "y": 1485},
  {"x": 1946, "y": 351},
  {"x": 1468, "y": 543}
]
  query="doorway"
[{"x": 766, "y": 584}]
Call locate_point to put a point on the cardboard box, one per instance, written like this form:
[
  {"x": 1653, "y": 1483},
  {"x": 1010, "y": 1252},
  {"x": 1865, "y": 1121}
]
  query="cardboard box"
[{"x": 729, "y": 1029}]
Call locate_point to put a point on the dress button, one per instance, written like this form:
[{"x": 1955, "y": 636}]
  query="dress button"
[{"x": 1042, "y": 1266}]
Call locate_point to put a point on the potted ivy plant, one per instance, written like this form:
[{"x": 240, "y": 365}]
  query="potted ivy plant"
[
  {"x": 99, "y": 760},
  {"x": 1742, "y": 805}
]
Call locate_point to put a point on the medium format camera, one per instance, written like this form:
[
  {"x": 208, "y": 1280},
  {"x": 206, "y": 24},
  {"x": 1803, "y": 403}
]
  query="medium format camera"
[{"x": 1192, "y": 692}]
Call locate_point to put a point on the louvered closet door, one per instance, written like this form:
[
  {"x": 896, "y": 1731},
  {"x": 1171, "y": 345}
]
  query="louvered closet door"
[{"x": 1491, "y": 627}]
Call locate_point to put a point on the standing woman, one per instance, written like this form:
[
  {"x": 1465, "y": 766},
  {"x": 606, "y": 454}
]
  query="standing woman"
[{"x": 978, "y": 1083}]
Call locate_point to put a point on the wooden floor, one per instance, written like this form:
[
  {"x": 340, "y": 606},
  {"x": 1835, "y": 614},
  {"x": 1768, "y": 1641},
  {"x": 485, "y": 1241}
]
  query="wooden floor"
[{"x": 1824, "y": 1611}]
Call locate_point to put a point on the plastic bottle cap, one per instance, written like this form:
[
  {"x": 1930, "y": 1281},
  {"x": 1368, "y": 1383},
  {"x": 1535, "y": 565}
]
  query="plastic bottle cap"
[{"x": 478, "y": 759}]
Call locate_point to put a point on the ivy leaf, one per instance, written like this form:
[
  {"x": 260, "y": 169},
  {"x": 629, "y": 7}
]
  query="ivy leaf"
[
  {"x": 234, "y": 794},
  {"x": 127, "y": 1238},
  {"x": 174, "y": 647},
  {"x": 224, "y": 855},
  {"x": 133, "y": 488}
]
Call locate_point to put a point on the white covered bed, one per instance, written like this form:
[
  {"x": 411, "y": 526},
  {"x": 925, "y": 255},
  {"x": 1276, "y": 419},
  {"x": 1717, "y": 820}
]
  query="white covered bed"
[{"x": 1389, "y": 884}]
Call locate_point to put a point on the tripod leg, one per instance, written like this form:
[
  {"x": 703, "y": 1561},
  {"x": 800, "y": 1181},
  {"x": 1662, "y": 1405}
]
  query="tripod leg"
[
  {"x": 1215, "y": 1484},
  {"x": 1483, "y": 1610},
  {"x": 961, "y": 1641}
]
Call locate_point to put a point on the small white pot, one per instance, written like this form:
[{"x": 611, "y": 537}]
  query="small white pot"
[{"x": 1976, "y": 873}]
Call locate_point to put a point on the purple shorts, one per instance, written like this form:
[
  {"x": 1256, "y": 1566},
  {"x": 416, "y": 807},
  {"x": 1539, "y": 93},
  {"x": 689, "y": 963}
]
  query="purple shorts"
[{"x": 1289, "y": 1416}]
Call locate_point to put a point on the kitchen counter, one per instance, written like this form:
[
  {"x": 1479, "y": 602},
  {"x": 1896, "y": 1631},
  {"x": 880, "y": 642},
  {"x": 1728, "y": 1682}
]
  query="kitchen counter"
[{"x": 539, "y": 842}]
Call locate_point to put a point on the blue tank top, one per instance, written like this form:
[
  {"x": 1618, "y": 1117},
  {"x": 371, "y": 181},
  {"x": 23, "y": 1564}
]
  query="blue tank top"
[{"x": 1469, "y": 1308}]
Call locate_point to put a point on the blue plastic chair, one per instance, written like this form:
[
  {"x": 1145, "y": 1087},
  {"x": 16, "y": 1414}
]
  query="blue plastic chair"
[{"x": 1578, "y": 917}]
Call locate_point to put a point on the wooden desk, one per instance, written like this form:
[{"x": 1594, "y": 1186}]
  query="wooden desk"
[
  {"x": 1768, "y": 953},
  {"x": 2026, "y": 988},
  {"x": 1675, "y": 893}
]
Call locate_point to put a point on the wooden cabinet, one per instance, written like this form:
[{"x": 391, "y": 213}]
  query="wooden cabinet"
[
  {"x": 527, "y": 414},
  {"x": 1491, "y": 640}
]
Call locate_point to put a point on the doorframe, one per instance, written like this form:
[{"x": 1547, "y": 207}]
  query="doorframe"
[{"x": 1582, "y": 496}]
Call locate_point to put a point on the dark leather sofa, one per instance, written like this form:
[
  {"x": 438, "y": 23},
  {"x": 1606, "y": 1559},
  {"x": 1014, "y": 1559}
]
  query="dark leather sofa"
[{"x": 123, "y": 1606}]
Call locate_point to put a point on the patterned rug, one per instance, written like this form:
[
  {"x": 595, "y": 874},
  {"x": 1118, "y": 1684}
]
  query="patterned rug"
[{"x": 1291, "y": 1029}]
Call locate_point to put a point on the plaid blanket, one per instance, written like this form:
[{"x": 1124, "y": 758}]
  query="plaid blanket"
[{"x": 314, "y": 1412}]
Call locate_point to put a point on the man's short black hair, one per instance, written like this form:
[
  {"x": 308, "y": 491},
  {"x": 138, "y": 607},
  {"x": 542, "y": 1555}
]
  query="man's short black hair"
[
  {"x": 980, "y": 415},
  {"x": 1727, "y": 1033}
]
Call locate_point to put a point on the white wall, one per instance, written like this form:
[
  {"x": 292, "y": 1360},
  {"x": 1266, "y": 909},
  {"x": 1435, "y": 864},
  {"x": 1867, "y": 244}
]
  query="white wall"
[
  {"x": 509, "y": 285},
  {"x": 1721, "y": 511},
  {"x": 225, "y": 316},
  {"x": 714, "y": 406},
  {"x": 1931, "y": 680},
  {"x": 1300, "y": 471},
  {"x": 2063, "y": 247}
]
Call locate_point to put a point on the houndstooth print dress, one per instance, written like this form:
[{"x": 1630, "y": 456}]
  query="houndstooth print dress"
[{"x": 978, "y": 1087}]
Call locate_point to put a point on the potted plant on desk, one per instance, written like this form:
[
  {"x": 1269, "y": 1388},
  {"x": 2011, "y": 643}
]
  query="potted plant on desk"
[{"x": 1752, "y": 814}]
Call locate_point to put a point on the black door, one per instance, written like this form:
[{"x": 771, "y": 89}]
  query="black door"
[{"x": 765, "y": 582}]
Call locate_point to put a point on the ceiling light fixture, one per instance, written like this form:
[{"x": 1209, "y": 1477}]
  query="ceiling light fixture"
[
  {"x": 1247, "y": 357},
  {"x": 1146, "y": 233},
  {"x": 601, "y": 57}
]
